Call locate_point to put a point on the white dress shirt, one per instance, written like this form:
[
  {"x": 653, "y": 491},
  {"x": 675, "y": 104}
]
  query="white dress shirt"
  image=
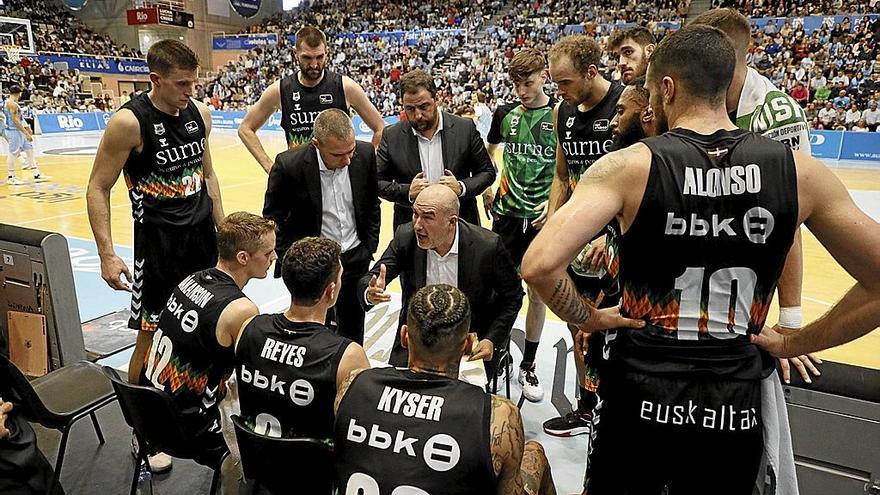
[
  {"x": 443, "y": 269},
  {"x": 431, "y": 154},
  {"x": 438, "y": 269},
  {"x": 337, "y": 206}
]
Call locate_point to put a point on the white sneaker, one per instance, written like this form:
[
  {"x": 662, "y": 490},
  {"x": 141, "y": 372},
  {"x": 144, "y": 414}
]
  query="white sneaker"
[
  {"x": 14, "y": 181},
  {"x": 41, "y": 177},
  {"x": 159, "y": 462},
  {"x": 531, "y": 387}
]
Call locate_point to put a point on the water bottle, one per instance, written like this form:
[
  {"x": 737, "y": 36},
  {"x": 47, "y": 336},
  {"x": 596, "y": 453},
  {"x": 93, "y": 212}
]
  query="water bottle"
[{"x": 578, "y": 267}]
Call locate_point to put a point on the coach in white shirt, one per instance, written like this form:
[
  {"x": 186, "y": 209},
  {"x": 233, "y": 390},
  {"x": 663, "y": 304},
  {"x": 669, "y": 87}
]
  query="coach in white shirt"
[
  {"x": 329, "y": 189},
  {"x": 439, "y": 248}
]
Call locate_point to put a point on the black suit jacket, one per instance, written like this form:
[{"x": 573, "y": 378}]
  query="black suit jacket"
[
  {"x": 464, "y": 154},
  {"x": 293, "y": 196},
  {"x": 486, "y": 275}
]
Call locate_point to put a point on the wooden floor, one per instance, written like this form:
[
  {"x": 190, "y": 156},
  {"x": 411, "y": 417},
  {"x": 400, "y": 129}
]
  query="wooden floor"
[{"x": 60, "y": 206}]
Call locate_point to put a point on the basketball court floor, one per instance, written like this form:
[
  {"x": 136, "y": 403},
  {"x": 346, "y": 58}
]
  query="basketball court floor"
[{"x": 59, "y": 206}]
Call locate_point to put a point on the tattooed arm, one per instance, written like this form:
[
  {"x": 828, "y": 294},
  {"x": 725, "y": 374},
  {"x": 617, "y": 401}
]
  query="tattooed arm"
[
  {"x": 343, "y": 388},
  {"x": 604, "y": 192},
  {"x": 522, "y": 469}
]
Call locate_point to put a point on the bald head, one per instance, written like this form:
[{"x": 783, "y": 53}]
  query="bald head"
[
  {"x": 435, "y": 217},
  {"x": 440, "y": 197}
]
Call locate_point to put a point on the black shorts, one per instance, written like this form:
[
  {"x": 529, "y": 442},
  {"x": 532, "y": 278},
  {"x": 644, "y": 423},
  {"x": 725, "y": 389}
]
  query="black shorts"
[
  {"x": 516, "y": 235},
  {"x": 163, "y": 256},
  {"x": 207, "y": 437},
  {"x": 657, "y": 435}
]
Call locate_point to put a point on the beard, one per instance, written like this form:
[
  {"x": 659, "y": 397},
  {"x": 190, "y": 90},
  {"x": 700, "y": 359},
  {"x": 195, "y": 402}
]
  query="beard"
[
  {"x": 311, "y": 74},
  {"x": 628, "y": 136},
  {"x": 661, "y": 119}
]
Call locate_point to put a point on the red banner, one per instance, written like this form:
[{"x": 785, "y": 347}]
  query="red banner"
[{"x": 149, "y": 15}]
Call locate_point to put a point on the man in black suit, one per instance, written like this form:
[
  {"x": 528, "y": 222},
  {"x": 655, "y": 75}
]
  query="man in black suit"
[
  {"x": 431, "y": 147},
  {"x": 328, "y": 189},
  {"x": 437, "y": 247}
]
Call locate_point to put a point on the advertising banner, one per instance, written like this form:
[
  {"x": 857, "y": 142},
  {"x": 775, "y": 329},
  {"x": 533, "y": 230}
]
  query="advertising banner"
[
  {"x": 244, "y": 42},
  {"x": 103, "y": 65},
  {"x": 51, "y": 123}
]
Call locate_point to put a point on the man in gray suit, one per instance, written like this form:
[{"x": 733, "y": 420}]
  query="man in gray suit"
[{"x": 431, "y": 147}]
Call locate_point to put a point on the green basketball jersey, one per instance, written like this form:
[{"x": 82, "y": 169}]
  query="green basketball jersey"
[
  {"x": 529, "y": 151},
  {"x": 767, "y": 111}
]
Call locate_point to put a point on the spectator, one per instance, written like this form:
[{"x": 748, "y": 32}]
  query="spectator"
[
  {"x": 817, "y": 82},
  {"x": 842, "y": 100},
  {"x": 823, "y": 93},
  {"x": 872, "y": 116},
  {"x": 853, "y": 115},
  {"x": 827, "y": 115},
  {"x": 800, "y": 94},
  {"x": 861, "y": 126},
  {"x": 811, "y": 111}
]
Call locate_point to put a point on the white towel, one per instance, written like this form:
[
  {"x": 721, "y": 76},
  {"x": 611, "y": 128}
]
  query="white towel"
[{"x": 777, "y": 437}]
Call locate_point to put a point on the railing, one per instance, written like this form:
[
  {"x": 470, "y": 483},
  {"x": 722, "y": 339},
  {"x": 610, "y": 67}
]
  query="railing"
[{"x": 114, "y": 57}]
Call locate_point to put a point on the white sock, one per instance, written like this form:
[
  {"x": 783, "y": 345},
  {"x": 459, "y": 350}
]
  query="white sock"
[
  {"x": 10, "y": 164},
  {"x": 29, "y": 157}
]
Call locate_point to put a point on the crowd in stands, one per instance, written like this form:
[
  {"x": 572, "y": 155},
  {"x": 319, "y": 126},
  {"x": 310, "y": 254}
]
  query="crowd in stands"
[
  {"x": 376, "y": 63},
  {"x": 833, "y": 73},
  {"x": 382, "y": 15},
  {"x": 57, "y": 30},
  {"x": 46, "y": 89},
  {"x": 797, "y": 8}
]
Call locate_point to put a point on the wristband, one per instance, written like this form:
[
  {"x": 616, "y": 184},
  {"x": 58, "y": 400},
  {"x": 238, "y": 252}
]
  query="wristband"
[{"x": 790, "y": 317}]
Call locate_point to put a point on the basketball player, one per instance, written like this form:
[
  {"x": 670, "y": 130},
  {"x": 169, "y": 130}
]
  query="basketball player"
[
  {"x": 583, "y": 132},
  {"x": 632, "y": 47},
  {"x": 192, "y": 355},
  {"x": 421, "y": 430},
  {"x": 159, "y": 140},
  {"x": 703, "y": 204},
  {"x": 303, "y": 96},
  {"x": 20, "y": 138},
  {"x": 290, "y": 365},
  {"x": 754, "y": 104},
  {"x": 525, "y": 130},
  {"x": 633, "y": 121}
]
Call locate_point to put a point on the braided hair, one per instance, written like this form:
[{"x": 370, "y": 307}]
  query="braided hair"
[{"x": 439, "y": 314}]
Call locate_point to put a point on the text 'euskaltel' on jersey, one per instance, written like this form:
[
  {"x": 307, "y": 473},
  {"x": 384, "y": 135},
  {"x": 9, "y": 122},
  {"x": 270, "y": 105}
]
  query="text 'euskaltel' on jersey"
[
  {"x": 757, "y": 223},
  {"x": 722, "y": 418}
]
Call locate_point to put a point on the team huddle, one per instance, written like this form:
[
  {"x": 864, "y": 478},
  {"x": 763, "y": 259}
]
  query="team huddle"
[{"x": 657, "y": 216}]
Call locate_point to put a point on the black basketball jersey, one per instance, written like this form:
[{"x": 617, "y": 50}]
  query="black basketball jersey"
[
  {"x": 586, "y": 136},
  {"x": 397, "y": 428},
  {"x": 300, "y": 105},
  {"x": 287, "y": 376},
  {"x": 185, "y": 359},
  {"x": 166, "y": 180},
  {"x": 703, "y": 256}
]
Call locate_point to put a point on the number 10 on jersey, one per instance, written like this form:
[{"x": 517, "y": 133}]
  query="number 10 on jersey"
[{"x": 729, "y": 301}]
